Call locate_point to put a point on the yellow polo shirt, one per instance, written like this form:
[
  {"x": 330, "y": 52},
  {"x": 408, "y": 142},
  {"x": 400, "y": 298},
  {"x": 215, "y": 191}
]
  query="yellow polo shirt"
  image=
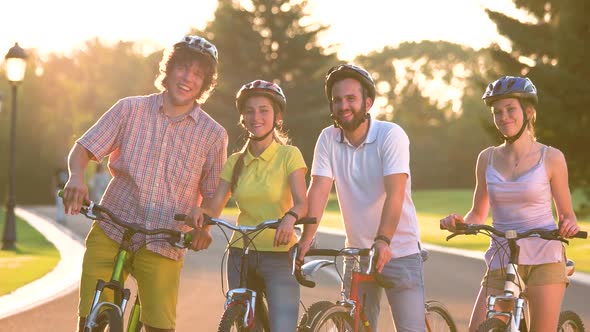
[{"x": 263, "y": 191}]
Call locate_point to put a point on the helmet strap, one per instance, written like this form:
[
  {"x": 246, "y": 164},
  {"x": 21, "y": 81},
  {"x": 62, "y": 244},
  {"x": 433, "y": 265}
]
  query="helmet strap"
[
  {"x": 274, "y": 125},
  {"x": 525, "y": 122}
]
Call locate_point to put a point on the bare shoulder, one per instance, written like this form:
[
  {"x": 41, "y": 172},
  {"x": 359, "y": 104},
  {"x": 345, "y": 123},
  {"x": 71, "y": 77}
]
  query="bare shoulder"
[
  {"x": 554, "y": 156},
  {"x": 485, "y": 155}
]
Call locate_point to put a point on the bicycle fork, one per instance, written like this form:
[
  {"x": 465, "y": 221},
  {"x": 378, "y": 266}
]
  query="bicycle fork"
[
  {"x": 511, "y": 304},
  {"x": 246, "y": 297}
]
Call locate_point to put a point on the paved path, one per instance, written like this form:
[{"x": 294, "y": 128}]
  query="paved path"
[{"x": 49, "y": 304}]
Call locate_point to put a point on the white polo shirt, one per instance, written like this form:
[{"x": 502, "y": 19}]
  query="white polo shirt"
[{"x": 358, "y": 173}]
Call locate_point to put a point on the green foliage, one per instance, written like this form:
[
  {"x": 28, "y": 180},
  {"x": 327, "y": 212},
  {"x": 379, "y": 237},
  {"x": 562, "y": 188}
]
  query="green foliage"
[
  {"x": 268, "y": 40},
  {"x": 60, "y": 98},
  {"x": 440, "y": 122},
  {"x": 556, "y": 44}
]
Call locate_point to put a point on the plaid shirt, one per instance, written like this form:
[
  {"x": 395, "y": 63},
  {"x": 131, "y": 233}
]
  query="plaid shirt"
[{"x": 160, "y": 165}]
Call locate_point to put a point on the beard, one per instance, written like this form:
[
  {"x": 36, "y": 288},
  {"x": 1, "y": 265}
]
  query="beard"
[{"x": 358, "y": 117}]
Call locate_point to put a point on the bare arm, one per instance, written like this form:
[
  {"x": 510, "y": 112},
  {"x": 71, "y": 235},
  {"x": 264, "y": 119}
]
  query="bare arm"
[
  {"x": 75, "y": 190},
  {"x": 395, "y": 186},
  {"x": 285, "y": 231},
  {"x": 481, "y": 201},
  {"x": 317, "y": 196},
  {"x": 558, "y": 175}
]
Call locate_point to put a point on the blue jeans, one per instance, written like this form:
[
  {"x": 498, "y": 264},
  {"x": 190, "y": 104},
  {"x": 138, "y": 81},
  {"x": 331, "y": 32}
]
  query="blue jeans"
[
  {"x": 282, "y": 290},
  {"x": 406, "y": 298}
]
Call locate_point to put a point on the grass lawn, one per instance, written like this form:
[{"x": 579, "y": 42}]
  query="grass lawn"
[{"x": 34, "y": 257}]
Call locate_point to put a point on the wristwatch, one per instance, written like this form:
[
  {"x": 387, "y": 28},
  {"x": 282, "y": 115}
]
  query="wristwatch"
[{"x": 383, "y": 238}]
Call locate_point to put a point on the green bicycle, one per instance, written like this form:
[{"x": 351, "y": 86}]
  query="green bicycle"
[{"x": 109, "y": 316}]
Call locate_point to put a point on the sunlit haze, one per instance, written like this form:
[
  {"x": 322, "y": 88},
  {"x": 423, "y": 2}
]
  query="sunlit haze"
[{"x": 358, "y": 27}]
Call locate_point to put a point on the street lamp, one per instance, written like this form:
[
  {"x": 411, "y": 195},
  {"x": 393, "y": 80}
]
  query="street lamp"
[{"x": 16, "y": 63}]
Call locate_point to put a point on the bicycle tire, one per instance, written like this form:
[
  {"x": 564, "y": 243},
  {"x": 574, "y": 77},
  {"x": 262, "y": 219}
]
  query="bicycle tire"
[
  {"x": 492, "y": 325},
  {"x": 232, "y": 320},
  {"x": 108, "y": 320},
  {"x": 311, "y": 313},
  {"x": 438, "y": 318},
  {"x": 570, "y": 321},
  {"x": 330, "y": 317}
]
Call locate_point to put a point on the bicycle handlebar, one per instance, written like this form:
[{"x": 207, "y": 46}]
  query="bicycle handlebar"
[
  {"x": 273, "y": 223},
  {"x": 178, "y": 239},
  {"x": 470, "y": 229},
  {"x": 345, "y": 252}
]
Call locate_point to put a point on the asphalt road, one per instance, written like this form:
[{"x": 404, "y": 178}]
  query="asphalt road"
[{"x": 450, "y": 279}]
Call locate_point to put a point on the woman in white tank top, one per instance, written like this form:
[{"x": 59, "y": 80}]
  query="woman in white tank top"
[{"x": 518, "y": 180}]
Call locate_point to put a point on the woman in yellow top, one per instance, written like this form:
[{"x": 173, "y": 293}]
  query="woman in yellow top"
[{"x": 267, "y": 181}]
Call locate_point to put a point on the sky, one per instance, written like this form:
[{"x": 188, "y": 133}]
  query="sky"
[{"x": 59, "y": 26}]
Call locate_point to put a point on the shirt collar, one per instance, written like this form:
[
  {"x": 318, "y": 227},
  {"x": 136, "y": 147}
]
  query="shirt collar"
[
  {"x": 371, "y": 134},
  {"x": 195, "y": 112},
  {"x": 267, "y": 155}
]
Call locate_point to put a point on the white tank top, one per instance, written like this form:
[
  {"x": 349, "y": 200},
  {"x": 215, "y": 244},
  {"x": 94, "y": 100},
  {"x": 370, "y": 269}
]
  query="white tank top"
[{"x": 522, "y": 204}]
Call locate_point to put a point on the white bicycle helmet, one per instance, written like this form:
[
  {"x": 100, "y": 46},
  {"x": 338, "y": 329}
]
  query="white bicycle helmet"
[
  {"x": 199, "y": 44},
  {"x": 261, "y": 87}
]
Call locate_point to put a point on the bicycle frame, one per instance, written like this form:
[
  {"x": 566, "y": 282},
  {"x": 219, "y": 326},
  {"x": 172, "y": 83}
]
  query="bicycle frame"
[
  {"x": 512, "y": 294},
  {"x": 116, "y": 283},
  {"x": 511, "y": 306},
  {"x": 357, "y": 310},
  {"x": 352, "y": 302},
  {"x": 247, "y": 293}
]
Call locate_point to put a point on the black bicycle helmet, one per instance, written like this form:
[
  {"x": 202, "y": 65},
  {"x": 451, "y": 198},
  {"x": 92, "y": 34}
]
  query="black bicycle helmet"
[
  {"x": 265, "y": 88},
  {"x": 199, "y": 44},
  {"x": 510, "y": 87},
  {"x": 343, "y": 71}
]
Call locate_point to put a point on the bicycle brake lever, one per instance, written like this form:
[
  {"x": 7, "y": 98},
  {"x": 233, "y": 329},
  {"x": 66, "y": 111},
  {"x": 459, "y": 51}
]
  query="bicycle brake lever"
[{"x": 452, "y": 236}]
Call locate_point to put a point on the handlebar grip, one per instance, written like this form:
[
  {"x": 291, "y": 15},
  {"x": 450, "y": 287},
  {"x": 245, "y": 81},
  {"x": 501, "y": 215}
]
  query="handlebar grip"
[
  {"x": 302, "y": 281},
  {"x": 180, "y": 217},
  {"x": 306, "y": 221},
  {"x": 581, "y": 235},
  {"x": 461, "y": 226}
]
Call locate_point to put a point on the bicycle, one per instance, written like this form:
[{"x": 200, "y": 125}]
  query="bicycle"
[
  {"x": 110, "y": 315},
  {"x": 515, "y": 318},
  {"x": 245, "y": 307},
  {"x": 348, "y": 313}
]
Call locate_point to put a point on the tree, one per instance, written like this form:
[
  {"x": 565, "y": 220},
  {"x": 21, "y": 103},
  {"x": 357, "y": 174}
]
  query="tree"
[
  {"x": 433, "y": 90},
  {"x": 62, "y": 96},
  {"x": 553, "y": 52},
  {"x": 269, "y": 40}
]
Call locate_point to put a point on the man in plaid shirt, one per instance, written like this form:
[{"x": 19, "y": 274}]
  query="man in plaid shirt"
[{"x": 165, "y": 156}]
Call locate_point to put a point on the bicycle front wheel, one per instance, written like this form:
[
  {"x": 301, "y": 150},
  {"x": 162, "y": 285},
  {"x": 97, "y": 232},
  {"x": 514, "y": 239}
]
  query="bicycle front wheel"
[
  {"x": 327, "y": 316},
  {"x": 232, "y": 320},
  {"x": 108, "y": 320},
  {"x": 438, "y": 318},
  {"x": 570, "y": 321},
  {"x": 492, "y": 325}
]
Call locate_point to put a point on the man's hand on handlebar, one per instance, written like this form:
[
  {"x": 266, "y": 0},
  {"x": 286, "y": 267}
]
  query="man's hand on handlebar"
[
  {"x": 383, "y": 252},
  {"x": 201, "y": 238}
]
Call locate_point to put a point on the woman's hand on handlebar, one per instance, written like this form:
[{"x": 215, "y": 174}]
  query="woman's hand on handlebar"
[
  {"x": 284, "y": 232},
  {"x": 568, "y": 227},
  {"x": 449, "y": 221}
]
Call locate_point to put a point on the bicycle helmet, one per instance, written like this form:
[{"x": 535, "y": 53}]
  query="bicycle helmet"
[
  {"x": 265, "y": 88},
  {"x": 510, "y": 87},
  {"x": 343, "y": 71},
  {"x": 199, "y": 44}
]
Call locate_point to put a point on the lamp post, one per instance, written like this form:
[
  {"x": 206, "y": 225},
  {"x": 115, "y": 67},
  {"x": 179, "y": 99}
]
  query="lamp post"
[{"x": 15, "y": 72}]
